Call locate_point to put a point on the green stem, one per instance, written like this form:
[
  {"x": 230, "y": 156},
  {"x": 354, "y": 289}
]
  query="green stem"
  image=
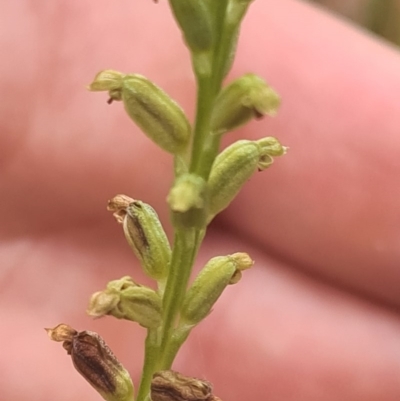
[
  {"x": 179, "y": 337},
  {"x": 150, "y": 359},
  {"x": 183, "y": 255},
  {"x": 205, "y": 147}
]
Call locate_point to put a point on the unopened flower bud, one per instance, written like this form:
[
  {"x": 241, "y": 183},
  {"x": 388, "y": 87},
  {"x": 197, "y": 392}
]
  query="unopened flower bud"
[
  {"x": 141, "y": 304},
  {"x": 187, "y": 200},
  {"x": 234, "y": 166},
  {"x": 231, "y": 169},
  {"x": 147, "y": 238},
  {"x": 124, "y": 299},
  {"x": 187, "y": 193},
  {"x": 144, "y": 233},
  {"x": 195, "y": 21},
  {"x": 159, "y": 117},
  {"x": 245, "y": 98},
  {"x": 94, "y": 360},
  {"x": 218, "y": 273},
  {"x": 156, "y": 114}
]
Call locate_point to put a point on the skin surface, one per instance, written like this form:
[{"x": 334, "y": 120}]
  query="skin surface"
[{"x": 317, "y": 318}]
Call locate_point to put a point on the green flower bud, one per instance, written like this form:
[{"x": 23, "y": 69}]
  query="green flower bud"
[
  {"x": 194, "y": 20},
  {"x": 208, "y": 286},
  {"x": 156, "y": 114},
  {"x": 235, "y": 165},
  {"x": 159, "y": 117},
  {"x": 245, "y": 98},
  {"x": 147, "y": 238},
  {"x": 141, "y": 304},
  {"x": 124, "y": 299},
  {"x": 144, "y": 233},
  {"x": 187, "y": 193},
  {"x": 187, "y": 200},
  {"x": 94, "y": 360}
]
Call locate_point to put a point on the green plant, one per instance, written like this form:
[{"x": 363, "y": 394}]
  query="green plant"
[{"x": 205, "y": 183}]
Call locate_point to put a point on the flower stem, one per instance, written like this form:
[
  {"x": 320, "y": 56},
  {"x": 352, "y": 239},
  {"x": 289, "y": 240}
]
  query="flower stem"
[
  {"x": 183, "y": 255},
  {"x": 150, "y": 358},
  {"x": 205, "y": 146}
]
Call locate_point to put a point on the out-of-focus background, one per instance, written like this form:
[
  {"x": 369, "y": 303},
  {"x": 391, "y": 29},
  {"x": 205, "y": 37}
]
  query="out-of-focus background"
[{"x": 380, "y": 16}]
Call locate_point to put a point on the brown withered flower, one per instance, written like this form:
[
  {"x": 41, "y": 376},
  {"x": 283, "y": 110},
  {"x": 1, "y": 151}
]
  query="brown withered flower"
[
  {"x": 95, "y": 361},
  {"x": 118, "y": 206},
  {"x": 168, "y": 385}
]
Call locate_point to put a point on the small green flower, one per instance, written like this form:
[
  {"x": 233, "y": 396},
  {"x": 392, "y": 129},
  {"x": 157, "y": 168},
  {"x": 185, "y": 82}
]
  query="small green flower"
[
  {"x": 235, "y": 165},
  {"x": 152, "y": 109},
  {"x": 124, "y": 299},
  {"x": 188, "y": 201},
  {"x": 243, "y": 99},
  {"x": 159, "y": 117},
  {"x": 208, "y": 286},
  {"x": 144, "y": 233}
]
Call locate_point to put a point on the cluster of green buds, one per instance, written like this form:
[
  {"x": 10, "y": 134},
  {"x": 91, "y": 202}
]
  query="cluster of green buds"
[{"x": 193, "y": 200}]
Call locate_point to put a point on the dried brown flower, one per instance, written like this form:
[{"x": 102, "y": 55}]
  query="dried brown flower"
[
  {"x": 95, "y": 361},
  {"x": 168, "y": 385}
]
